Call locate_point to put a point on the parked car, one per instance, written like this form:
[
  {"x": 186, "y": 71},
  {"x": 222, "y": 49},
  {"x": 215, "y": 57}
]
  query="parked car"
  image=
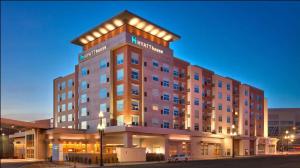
[{"x": 179, "y": 158}]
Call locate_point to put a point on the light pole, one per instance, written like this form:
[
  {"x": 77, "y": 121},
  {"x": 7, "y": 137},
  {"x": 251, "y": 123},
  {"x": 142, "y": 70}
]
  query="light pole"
[
  {"x": 101, "y": 126},
  {"x": 233, "y": 134},
  {"x": 289, "y": 137}
]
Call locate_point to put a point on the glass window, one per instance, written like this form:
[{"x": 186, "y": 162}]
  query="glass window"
[
  {"x": 120, "y": 58},
  {"x": 228, "y": 98},
  {"x": 166, "y": 111},
  {"x": 155, "y": 78},
  {"x": 176, "y": 72},
  {"x": 220, "y": 95},
  {"x": 70, "y": 94},
  {"x": 70, "y": 117},
  {"x": 103, "y": 78},
  {"x": 135, "y": 119},
  {"x": 176, "y": 111},
  {"x": 58, "y": 119},
  {"x": 228, "y": 86},
  {"x": 246, "y": 92},
  {"x": 246, "y": 102},
  {"x": 58, "y": 108},
  {"x": 176, "y": 99},
  {"x": 63, "y": 118},
  {"x": 63, "y": 96},
  {"x": 196, "y": 76},
  {"x": 120, "y": 90},
  {"x": 175, "y": 86},
  {"x": 83, "y": 125},
  {"x": 166, "y": 124},
  {"x": 196, "y": 89},
  {"x": 165, "y": 83},
  {"x": 135, "y": 89},
  {"x": 84, "y": 71},
  {"x": 228, "y": 119},
  {"x": 155, "y": 63},
  {"x": 165, "y": 68},
  {"x": 83, "y": 98},
  {"x": 83, "y": 85},
  {"x": 103, "y": 107},
  {"x": 58, "y": 86},
  {"x": 120, "y": 74},
  {"x": 120, "y": 105},
  {"x": 220, "y": 84},
  {"x": 166, "y": 96},
  {"x": 70, "y": 106},
  {"x": 70, "y": 83},
  {"x": 155, "y": 107},
  {"x": 63, "y": 107},
  {"x": 220, "y": 106},
  {"x": 197, "y": 114},
  {"x": 103, "y": 63},
  {"x": 220, "y": 118},
  {"x": 120, "y": 120},
  {"x": 83, "y": 111},
  {"x": 134, "y": 58},
  {"x": 196, "y": 101},
  {"x": 70, "y": 126},
  {"x": 63, "y": 85},
  {"x": 220, "y": 130},
  {"x": 134, "y": 104},
  {"x": 103, "y": 93},
  {"x": 135, "y": 74},
  {"x": 228, "y": 109}
]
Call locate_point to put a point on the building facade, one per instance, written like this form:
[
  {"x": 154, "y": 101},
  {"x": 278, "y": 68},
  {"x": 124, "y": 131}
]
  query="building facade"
[{"x": 152, "y": 100}]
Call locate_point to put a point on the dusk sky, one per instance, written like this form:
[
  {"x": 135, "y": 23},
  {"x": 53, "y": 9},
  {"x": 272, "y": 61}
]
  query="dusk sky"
[{"x": 257, "y": 43}]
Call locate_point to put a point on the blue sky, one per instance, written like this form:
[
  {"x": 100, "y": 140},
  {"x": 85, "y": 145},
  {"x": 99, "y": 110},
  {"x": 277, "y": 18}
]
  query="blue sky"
[{"x": 255, "y": 42}]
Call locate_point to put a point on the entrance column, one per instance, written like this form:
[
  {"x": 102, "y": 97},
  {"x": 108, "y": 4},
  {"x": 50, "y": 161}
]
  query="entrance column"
[
  {"x": 127, "y": 139},
  {"x": 166, "y": 143},
  {"x": 57, "y": 151}
]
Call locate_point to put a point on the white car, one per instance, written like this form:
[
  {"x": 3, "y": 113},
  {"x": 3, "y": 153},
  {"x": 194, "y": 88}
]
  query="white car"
[{"x": 179, "y": 158}]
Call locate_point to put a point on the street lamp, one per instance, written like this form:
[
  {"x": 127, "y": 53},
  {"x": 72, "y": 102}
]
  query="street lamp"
[
  {"x": 289, "y": 137},
  {"x": 101, "y": 126},
  {"x": 233, "y": 134}
]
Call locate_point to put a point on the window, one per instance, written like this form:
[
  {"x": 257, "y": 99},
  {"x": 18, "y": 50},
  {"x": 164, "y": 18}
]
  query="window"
[
  {"x": 196, "y": 127},
  {"x": 165, "y": 83},
  {"x": 220, "y": 95},
  {"x": 83, "y": 98},
  {"x": 120, "y": 90},
  {"x": 135, "y": 89},
  {"x": 228, "y": 109},
  {"x": 166, "y": 96},
  {"x": 70, "y": 126},
  {"x": 220, "y": 130},
  {"x": 176, "y": 111},
  {"x": 196, "y": 101},
  {"x": 228, "y": 98},
  {"x": 120, "y": 74},
  {"x": 196, "y": 76},
  {"x": 58, "y": 86},
  {"x": 175, "y": 86},
  {"x": 83, "y": 111},
  {"x": 70, "y": 83},
  {"x": 155, "y": 107},
  {"x": 166, "y": 111},
  {"x": 220, "y": 118},
  {"x": 196, "y": 89},
  {"x": 155, "y": 78},
  {"x": 63, "y": 107},
  {"x": 70, "y": 94},
  {"x": 83, "y": 125},
  {"x": 134, "y": 58},
  {"x": 166, "y": 124},
  {"x": 134, "y": 104},
  {"x": 228, "y": 119},
  {"x": 63, "y": 118},
  {"x": 176, "y": 99},
  {"x": 103, "y": 107},
  {"x": 165, "y": 68},
  {"x": 84, "y": 71},
  {"x": 155, "y": 63},
  {"x": 220, "y": 84},
  {"x": 103, "y": 78},
  {"x": 220, "y": 106},
  {"x": 70, "y": 106},
  {"x": 120, "y": 105},
  {"x": 120, "y": 120},
  {"x": 103, "y": 93},
  {"x": 58, "y": 108},
  {"x": 63, "y": 96},
  {"x": 196, "y": 114},
  {"x": 228, "y": 86},
  {"x": 135, "y": 119},
  {"x": 246, "y": 102},
  {"x": 228, "y": 130},
  {"x": 120, "y": 58},
  {"x": 63, "y": 85},
  {"x": 176, "y": 72},
  {"x": 58, "y": 119},
  {"x": 134, "y": 74},
  {"x": 103, "y": 63},
  {"x": 70, "y": 117},
  {"x": 83, "y": 85},
  {"x": 246, "y": 92}
]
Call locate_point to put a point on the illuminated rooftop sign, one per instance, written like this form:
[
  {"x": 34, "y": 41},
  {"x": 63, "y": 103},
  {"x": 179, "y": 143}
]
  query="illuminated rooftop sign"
[
  {"x": 134, "y": 40},
  {"x": 92, "y": 53}
]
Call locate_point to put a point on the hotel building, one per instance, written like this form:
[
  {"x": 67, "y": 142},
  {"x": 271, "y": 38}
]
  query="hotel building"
[{"x": 152, "y": 101}]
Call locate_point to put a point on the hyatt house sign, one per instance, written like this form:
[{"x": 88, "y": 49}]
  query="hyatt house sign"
[{"x": 134, "y": 40}]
